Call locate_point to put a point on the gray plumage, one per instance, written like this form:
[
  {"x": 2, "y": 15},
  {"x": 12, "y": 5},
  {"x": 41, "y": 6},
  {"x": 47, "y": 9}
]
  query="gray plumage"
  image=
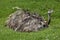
[{"x": 25, "y": 21}]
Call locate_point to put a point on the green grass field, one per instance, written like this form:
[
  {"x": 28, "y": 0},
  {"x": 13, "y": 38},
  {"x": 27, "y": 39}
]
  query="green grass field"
[{"x": 40, "y": 6}]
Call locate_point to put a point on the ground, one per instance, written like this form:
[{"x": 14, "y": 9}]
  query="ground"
[{"x": 39, "y": 6}]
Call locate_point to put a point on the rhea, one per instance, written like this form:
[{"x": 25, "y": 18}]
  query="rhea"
[{"x": 26, "y": 21}]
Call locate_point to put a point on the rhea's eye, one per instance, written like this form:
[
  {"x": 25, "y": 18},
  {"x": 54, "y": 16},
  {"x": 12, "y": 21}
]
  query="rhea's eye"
[{"x": 44, "y": 25}]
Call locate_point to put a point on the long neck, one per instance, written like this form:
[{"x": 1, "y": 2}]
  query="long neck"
[{"x": 49, "y": 18}]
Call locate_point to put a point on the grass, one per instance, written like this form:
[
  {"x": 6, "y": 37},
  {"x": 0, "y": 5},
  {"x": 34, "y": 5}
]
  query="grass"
[{"x": 40, "y": 6}]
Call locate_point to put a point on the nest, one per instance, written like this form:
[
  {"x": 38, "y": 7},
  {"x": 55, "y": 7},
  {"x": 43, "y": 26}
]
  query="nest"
[{"x": 25, "y": 21}]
